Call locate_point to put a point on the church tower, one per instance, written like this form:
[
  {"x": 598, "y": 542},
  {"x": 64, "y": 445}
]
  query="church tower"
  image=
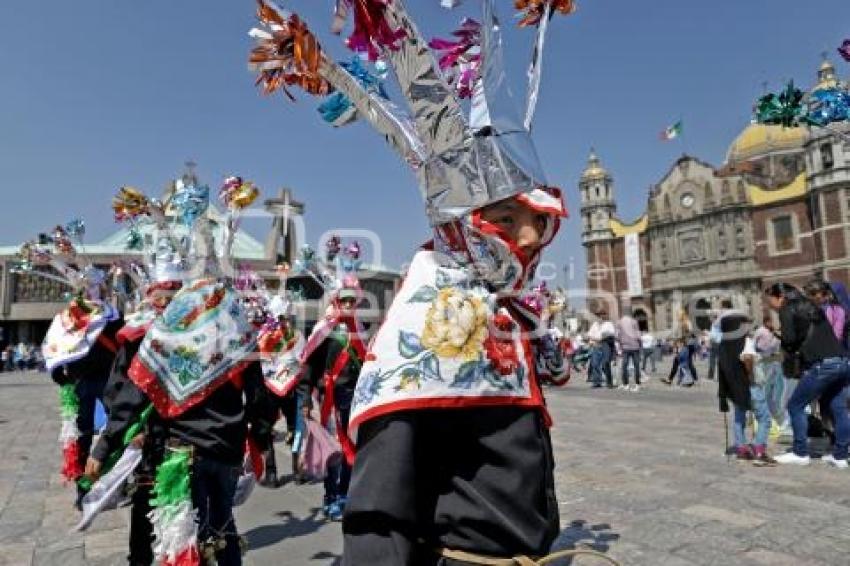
[
  {"x": 597, "y": 202},
  {"x": 597, "y": 209}
]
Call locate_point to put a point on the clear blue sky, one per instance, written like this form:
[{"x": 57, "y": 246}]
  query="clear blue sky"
[{"x": 97, "y": 94}]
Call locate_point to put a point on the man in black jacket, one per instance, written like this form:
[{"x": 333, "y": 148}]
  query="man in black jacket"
[{"x": 817, "y": 359}]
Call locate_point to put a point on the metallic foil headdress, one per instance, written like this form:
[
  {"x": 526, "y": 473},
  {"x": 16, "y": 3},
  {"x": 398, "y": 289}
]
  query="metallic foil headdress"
[
  {"x": 462, "y": 163},
  {"x": 59, "y": 250}
]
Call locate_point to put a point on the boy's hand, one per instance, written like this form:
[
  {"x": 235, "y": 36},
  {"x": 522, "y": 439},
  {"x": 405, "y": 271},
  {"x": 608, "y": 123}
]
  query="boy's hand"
[
  {"x": 92, "y": 470},
  {"x": 138, "y": 441},
  {"x": 305, "y": 412}
]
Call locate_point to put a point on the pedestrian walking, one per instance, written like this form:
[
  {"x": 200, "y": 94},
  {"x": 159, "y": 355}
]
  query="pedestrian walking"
[{"x": 629, "y": 339}]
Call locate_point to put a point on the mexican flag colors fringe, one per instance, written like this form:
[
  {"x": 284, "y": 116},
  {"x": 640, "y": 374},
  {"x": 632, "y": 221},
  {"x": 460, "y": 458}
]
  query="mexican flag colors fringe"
[
  {"x": 173, "y": 517},
  {"x": 69, "y": 436}
]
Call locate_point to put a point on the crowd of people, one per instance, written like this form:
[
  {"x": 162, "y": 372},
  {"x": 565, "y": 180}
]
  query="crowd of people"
[{"x": 21, "y": 357}]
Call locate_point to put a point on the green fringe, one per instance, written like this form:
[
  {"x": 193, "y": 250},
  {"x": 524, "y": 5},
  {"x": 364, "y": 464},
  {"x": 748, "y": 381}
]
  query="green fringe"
[
  {"x": 172, "y": 479},
  {"x": 84, "y": 482},
  {"x": 69, "y": 403}
]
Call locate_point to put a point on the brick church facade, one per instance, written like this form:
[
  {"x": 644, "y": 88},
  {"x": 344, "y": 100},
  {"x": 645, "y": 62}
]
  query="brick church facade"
[{"x": 778, "y": 209}]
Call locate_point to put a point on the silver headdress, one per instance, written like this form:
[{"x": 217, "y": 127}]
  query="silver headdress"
[
  {"x": 462, "y": 163},
  {"x": 178, "y": 236},
  {"x": 337, "y": 272},
  {"x": 58, "y": 250}
]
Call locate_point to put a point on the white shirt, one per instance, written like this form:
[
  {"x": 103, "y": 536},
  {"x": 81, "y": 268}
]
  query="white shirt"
[{"x": 647, "y": 341}]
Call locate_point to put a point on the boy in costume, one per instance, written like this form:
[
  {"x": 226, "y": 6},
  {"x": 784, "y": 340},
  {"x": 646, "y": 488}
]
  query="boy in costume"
[
  {"x": 80, "y": 344},
  {"x": 332, "y": 359},
  {"x": 196, "y": 377},
  {"x": 454, "y": 460}
]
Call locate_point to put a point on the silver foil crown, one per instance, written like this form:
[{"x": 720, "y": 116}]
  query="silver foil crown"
[{"x": 462, "y": 162}]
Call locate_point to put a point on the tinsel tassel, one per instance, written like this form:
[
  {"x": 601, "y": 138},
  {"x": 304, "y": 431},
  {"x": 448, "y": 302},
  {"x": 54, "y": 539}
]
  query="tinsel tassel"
[
  {"x": 69, "y": 403},
  {"x": 173, "y": 518},
  {"x": 189, "y": 557},
  {"x": 71, "y": 468}
]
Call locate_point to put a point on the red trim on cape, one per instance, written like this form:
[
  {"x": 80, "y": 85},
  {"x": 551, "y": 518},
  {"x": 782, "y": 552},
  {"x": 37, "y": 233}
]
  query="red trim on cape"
[
  {"x": 148, "y": 382},
  {"x": 329, "y": 405},
  {"x": 132, "y": 333},
  {"x": 107, "y": 342},
  {"x": 451, "y": 403}
]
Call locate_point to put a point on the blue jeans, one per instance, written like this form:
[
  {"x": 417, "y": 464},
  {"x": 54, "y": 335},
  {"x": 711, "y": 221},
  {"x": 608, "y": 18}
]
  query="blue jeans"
[
  {"x": 827, "y": 381},
  {"x": 213, "y": 487},
  {"x": 762, "y": 413},
  {"x": 634, "y": 356},
  {"x": 594, "y": 368}
]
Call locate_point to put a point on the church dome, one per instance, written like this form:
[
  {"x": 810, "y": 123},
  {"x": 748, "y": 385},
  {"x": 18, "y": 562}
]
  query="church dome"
[
  {"x": 759, "y": 139},
  {"x": 594, "y": 169}
]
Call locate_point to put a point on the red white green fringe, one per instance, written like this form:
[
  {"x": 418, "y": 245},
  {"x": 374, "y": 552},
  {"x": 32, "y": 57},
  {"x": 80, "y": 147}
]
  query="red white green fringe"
[
  {"x": 69, "y": 435},
  {"x": 173, "y": 517}
]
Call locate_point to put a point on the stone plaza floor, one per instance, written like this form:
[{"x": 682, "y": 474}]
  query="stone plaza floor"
[{"x": 640, "y": 476}]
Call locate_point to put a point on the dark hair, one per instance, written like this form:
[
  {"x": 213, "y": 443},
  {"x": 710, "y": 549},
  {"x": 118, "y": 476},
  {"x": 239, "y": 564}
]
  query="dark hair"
[
  {"x": 782, "y": 290},
  {"x": 816, "y": 286}
]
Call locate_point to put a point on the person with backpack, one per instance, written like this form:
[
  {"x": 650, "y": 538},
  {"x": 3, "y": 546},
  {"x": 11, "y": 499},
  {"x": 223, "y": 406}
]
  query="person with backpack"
[{"x": 815, "y": 356}]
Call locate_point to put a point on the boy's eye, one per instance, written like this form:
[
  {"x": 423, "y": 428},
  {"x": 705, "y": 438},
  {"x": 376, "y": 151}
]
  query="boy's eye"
[{"x": 506, "y": 220}]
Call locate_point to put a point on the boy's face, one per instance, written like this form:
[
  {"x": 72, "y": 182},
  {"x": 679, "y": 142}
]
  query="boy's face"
[{"x": 524, "y": 226}]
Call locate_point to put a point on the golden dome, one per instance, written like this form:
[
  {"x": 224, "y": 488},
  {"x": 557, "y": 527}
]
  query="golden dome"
[
  {"x": 594, "y": 169},
  {"x": 760, "y": 139}
]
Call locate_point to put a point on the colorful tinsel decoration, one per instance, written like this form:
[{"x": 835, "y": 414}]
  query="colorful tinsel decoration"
[
  {"x": 69, "y": 435},
  {"x": 287, "y": 53},
  {"x": 337, "y": 104},
  {"x": 237, "y": 193},
  {"x": 129, "y": 204},
  {"x": 827, "y": 106},
  {"x": 460, "y": 59},
  {"x": 783, "y": 109},
  {"x": 844, "y": 50},
  {"x": 372, "y": 33},
  {"x": 531, "y": 11},
  {"x": 172, "y": 515},
  {"x": 191, "y": 202}
]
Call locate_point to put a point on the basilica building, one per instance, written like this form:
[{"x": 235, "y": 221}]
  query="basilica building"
[{"x": 777, "y": 209}]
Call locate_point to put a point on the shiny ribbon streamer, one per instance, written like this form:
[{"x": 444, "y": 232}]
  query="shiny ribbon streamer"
[
  {"x": 844, "y": 50},
  {"x": 287, "y": 54},
  {"x": 536, "y": 66},
  {"x": 533, "y": 12},
  {"x": 827, "y": 106},
  {"x": 337, "y": 109},
  {"x": 191, "y": 202},
  {"x": 372, "y": 32},
  {"x": 461, "y": 59},
  {"x": 129, "y": 203},
  {"x": 384, "y": 116},
  {"x": 76, "y": 228},
  {"x": 237, "y": 194},
  {"x": 784, "y": 109}
]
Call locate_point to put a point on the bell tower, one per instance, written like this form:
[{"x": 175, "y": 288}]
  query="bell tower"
[{"x": 597, "y": 201}]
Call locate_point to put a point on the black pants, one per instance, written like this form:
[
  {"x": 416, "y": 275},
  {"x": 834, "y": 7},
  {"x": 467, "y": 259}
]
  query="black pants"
[
  {"x": 213, "y": 487},
  {"x": 141, "y": 530},
  {"x": 287, "y": 408},
  {"x": 479, "y": 480}
]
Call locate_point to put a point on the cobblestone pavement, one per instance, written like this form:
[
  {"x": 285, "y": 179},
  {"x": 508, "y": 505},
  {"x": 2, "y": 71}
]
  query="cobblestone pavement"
[{"x": 641, "y": 477}]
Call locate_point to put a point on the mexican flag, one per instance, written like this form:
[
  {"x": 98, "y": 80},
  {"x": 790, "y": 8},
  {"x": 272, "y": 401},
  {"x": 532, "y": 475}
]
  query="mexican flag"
[{"x": 671, "y": 132}]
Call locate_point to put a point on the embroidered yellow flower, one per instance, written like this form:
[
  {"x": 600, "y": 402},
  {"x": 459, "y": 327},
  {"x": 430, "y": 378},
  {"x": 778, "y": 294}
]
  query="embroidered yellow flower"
[{"x": 456, "y": 325}]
